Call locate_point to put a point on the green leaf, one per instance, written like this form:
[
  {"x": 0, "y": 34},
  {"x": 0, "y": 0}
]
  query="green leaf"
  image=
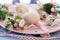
[
  {"x": 58, "y": 12},
  {"x": 47, "y": 7},
  {"x": 7, "y": 26},
  {"x": 12, "y": 21},
  {"x": 18, "y": 17},
  {"x": 3, "y": 14}
]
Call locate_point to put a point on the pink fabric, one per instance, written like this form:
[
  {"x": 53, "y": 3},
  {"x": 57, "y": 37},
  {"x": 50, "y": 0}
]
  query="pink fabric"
[{"x": 41, "y": 26}]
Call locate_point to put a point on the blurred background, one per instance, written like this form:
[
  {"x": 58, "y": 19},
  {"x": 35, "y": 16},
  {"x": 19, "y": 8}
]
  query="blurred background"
[{"x": 28, "y": 1}]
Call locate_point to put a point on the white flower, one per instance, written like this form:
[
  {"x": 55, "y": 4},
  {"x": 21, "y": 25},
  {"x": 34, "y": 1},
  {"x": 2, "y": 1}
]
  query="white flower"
[
  {"x": 21, "y": 23},
  {"x": 49, "y": 17},
  {"x": 52, "y": 10}
]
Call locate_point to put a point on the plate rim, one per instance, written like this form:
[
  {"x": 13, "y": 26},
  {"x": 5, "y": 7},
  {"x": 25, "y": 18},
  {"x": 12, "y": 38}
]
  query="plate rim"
[{"x": 27, "y": 33}]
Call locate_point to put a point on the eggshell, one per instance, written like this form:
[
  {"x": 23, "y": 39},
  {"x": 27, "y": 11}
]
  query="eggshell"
[{"x": 32, "y": 17}]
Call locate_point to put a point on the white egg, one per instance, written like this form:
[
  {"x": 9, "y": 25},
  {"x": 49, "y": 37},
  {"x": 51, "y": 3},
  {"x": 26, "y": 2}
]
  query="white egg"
[{"x": 31, "y": 17}]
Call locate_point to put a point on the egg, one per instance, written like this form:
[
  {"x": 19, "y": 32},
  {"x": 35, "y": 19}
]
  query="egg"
[
  {"x": 22, "y": 8},
  {"x": 32, "y": 17}
]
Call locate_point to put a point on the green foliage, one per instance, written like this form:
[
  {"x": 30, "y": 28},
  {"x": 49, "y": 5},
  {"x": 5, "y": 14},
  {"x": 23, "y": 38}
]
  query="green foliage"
[
  {"x": 3, "y": 13},
  {"x": 18, "y": 17},
  {"x": 58, "y": 12},
  {"x": 47, "y": 7},
  {"x": 7, "y": 26},
  {"x": 12, "y": 21}
]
